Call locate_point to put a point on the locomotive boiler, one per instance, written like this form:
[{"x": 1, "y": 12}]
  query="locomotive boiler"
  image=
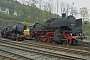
[
  {"x": 60, "y": 30},
  {"x": 53, "y": 23}
]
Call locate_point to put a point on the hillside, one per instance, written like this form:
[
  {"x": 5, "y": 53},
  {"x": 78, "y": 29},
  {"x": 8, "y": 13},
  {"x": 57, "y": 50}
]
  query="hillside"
[
  {"x": 13, "y": 10},
  {"x": 86, "y": 27}
]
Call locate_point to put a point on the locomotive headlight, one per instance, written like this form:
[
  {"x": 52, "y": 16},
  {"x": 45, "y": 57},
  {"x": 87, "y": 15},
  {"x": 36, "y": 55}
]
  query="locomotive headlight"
[
  {"x": 42, "y": 36},
  {"x": 80, "y": 34},
  {"x": 17, "y": 34},
  {"x": 71, "y": 34}
]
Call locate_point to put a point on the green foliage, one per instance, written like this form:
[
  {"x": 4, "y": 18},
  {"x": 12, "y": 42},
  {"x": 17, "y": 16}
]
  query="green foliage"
[
  {"x": 85, "y": 22},
  {"x": 26, "y": 13},
  {"x": 7, "y": 16},
  {"x": 0, "y": 26},
  {"x": 88, "y": 38},
  {"x": 84, "y": 12},
  {"x": 26, "y": 23},
  {"x": 86, "y": 27}
]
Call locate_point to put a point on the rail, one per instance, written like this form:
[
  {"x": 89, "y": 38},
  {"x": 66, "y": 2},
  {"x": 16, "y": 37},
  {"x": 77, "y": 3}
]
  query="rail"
[{"x": 6, "y": 57}]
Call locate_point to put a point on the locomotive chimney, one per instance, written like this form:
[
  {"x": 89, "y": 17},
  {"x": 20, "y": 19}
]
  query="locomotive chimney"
[{"x": 63, "y": 15}]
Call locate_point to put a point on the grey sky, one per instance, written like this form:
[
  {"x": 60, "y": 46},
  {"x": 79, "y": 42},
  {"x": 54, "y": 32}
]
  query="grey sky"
[{"x": 79, "y": 3}]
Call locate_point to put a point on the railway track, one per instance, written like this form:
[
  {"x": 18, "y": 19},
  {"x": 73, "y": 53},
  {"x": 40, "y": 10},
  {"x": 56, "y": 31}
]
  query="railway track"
[
  {"x": 84, "y": 44},
  {"x": 14, "y": 56},
  {"x": 81, "y": 51},
  {"x": 80, "y": 45},
  {"x": 22, "y": 54},
  {"x": 2, "y": 57},
  {"x": 40, "y": 51},
  {"x": 59, "y": 46},
  {"x": 86, "y": 48}
]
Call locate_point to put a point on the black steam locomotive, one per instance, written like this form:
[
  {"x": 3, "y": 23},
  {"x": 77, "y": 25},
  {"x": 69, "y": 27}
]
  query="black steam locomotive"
[
  {"x": 14, "y": 32},
  {"x": 66, "y": 30}
]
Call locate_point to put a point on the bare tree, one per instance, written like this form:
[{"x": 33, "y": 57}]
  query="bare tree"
[
  {"x": 84, "y": 13},
  {"x": 68, "y": 9},
  {"x": 62, "y": 7},
  {"x": 73, "y": 10},
  {"x": 49, "y": 7}
]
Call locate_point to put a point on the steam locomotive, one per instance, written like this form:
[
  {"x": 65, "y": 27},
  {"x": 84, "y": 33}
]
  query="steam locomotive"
[
  {"x": 65, "y": 30},
  {"x": 14, "y": 32}
]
